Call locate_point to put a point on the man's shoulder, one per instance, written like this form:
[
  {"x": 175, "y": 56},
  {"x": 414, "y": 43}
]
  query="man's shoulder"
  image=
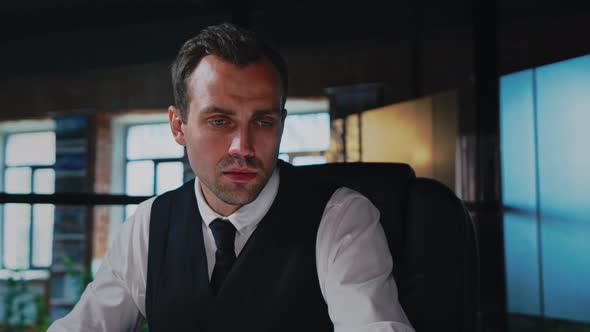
[
  {"x": 137, "y": 226},
  {"x": 142, "y": 214},
  {"x": 140, "y": 217},
  {"x": 346, "y": 195}
]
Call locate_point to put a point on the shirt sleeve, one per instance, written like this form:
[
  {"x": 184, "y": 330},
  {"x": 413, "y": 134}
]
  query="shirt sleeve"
[
  {"x": 354, "y": 267},
  {"x": 115, "y": 299}
]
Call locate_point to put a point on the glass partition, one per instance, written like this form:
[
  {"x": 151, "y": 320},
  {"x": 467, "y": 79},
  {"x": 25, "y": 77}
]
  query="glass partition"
[{"x": 544, "y": 126}]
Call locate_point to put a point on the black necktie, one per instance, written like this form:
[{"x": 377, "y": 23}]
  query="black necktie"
[{"x": 225, "y": 256}]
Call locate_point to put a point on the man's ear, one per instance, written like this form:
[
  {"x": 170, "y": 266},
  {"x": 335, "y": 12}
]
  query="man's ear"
[{"x": 176, "y": 125}]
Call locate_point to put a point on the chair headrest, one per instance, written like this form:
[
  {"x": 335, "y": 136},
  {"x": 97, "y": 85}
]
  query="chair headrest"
[{"x": 385, "y": 184}]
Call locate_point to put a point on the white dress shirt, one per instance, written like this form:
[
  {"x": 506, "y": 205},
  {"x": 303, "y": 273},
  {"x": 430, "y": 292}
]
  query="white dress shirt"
[{"x": 353, "y": 264}]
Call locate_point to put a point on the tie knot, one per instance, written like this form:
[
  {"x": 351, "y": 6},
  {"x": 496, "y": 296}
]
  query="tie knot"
[{"x": 224, "y": 233}]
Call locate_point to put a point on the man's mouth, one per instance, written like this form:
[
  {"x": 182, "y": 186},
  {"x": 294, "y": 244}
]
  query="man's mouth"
[{"x": 240, "y": 174}]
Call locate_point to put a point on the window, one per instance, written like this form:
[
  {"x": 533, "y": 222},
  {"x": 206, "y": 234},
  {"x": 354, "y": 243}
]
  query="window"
[
  {"x": 306, "y": 138},
  {"x": 153, "y": 163},
  {"x": 544, "y": 142},
  {"x": 27, "y": 229}
]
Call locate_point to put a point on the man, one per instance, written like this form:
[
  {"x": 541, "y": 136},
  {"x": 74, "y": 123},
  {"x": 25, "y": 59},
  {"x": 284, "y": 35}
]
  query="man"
[{"x": 248, "y": 245}]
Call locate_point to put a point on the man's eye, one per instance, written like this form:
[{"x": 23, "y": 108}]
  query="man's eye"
[
  {"x": 265, "y": 123},
  {"x": 218, "y": 122}
]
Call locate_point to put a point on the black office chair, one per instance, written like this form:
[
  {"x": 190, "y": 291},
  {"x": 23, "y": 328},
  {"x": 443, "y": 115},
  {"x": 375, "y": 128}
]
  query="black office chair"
[{"x": 431, "y": 238}]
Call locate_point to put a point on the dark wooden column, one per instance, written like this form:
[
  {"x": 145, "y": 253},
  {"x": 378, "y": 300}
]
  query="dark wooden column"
[{"x": 485, "y": 198}]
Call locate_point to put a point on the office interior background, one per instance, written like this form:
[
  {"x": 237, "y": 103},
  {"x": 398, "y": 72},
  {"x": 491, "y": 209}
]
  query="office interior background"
[{"x": 490, "y": 98}]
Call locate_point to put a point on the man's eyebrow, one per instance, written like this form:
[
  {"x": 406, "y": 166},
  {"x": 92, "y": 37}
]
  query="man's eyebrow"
[
  {"x": 217, "y": 110},
  {"x": 269, "y": 111}
]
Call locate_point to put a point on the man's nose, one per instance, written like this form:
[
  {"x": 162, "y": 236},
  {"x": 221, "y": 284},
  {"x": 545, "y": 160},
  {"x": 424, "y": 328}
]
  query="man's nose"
[{"x": 241, "y": 144}]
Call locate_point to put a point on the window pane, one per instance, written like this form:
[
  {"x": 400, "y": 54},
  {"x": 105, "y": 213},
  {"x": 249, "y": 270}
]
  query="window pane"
[
  {"x": 30, "y": 149},
  {"x": 306, "y": 132},
  {"x": 169, "y": 176},
  {"x": 564, "y": 191},
  {"x": 129, "y": 210},
  {"x": 1, "y": 241},
  {"x": 42, "y": 234},
  {"x": 18, "y": 180},
  {"x": 519, "y": 187},
  {"x": 140, "y": 178},
  {"x": 152, "y": 141},
  {"x": 17, "y": 223},
  {"x": 309, "y": 160},
  {"x": 44, "y": 181}
]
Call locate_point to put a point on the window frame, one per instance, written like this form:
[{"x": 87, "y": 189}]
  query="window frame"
[
  {"x": 295, "y": 154},
  {"x": 119, "y": 125},
  {"x": 155, "y": 161},
  {"x": 34, "y": 168},
  {"x": 8, "y": 128}
]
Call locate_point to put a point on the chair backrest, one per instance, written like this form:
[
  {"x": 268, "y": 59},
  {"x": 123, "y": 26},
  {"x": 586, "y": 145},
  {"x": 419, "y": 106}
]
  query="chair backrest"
[{"x": 431, "y": 238}]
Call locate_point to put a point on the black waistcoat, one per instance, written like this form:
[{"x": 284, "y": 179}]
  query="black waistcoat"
[{"x": 273, "y": 285}]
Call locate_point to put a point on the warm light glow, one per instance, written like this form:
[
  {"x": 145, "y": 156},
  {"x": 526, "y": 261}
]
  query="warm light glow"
[
  {"x": 400, "y": 133},
  {"x": 421, "y": 157}
]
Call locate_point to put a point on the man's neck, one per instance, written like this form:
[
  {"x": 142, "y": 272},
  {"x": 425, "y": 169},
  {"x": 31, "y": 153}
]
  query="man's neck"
[{"x": 218, "y": 206}]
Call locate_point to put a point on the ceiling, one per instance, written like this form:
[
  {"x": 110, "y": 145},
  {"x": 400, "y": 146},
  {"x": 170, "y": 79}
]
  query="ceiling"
[
  {"x": 22, "y": 17},
  {"x": 41, "y": 35},
  {"x": 19, "y": 18}
]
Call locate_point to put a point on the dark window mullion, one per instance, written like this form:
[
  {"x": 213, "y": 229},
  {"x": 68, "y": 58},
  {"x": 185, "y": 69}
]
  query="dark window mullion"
[
  {"x": 3, "y": 238},
  {"x": 18, "y": 166},
  {"x": 155, "y": 186},
  {"x": 33, "y": 243},
  {"x": 31, "y": 231},
  {"x": 127, "y": 160},
  {"x": 31, "y": 220},
  {"x": 3, "y": 244},
  {"x": 163, "y": 160}
]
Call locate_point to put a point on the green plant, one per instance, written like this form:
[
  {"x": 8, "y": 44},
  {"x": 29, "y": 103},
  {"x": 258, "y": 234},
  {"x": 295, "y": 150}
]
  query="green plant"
[
  {"x": 81, "y": 275},
  {"x": 42, "y": 321},
  {"x": 15, "y": 303},
  {"x": 18, "y": 298}
]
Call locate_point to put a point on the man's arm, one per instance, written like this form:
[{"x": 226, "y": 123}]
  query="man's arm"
[
  {"x": 115, "y": 299},
  {"x": 354, "y": 267}
]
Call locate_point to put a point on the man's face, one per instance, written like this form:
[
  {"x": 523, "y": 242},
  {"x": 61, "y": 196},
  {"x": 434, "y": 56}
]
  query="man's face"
[{"x": 233, "y": 129}]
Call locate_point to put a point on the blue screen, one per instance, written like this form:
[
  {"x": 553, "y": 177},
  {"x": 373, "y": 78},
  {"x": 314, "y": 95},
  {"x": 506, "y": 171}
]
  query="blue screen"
[
  {"x": 545, "y": 133},
  {"x": 519, "y": 192}
]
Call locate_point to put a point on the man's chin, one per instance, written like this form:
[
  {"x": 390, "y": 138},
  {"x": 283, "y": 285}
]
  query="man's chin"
[
  {"x": 239, "y": 193},
  {"x": 238, "y": 200}
]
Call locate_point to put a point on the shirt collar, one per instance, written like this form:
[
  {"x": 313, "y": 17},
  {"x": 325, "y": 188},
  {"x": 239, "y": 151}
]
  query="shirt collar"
[{"x": 247, "y": 216}]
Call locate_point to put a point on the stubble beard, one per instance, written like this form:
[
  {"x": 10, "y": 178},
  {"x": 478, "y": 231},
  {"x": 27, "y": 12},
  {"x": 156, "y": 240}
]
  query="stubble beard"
[
  {"x": 237, "y": 193},
  {"x": 240, "y": 193}
]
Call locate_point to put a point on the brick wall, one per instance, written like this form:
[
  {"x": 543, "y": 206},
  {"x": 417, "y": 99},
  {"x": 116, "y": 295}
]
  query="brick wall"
[{"x": 102, "y": 183}]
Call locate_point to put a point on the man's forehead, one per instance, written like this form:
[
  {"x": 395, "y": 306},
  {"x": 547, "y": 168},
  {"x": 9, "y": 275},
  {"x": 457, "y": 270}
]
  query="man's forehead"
[
  {"x": 215, "y": 65},
  {"x": 213, "y": 109},
  {"x": 216, "y": 82}
]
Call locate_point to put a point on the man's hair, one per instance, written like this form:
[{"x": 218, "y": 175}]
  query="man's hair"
[{"x": 229, "y": 42}]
